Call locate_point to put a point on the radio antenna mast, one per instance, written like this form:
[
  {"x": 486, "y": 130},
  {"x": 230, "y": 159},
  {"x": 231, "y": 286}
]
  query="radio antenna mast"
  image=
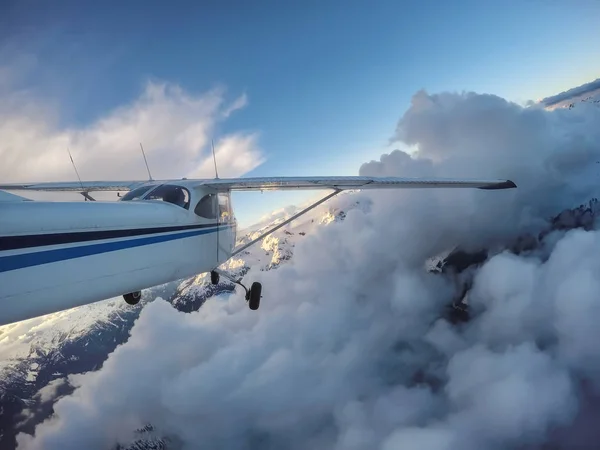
[
  {"x": 85, "y": 194},
  {"x": 214, "y": 158},
  {"x": 75, "y": 167},
  {"x": 146, "y": 161}
]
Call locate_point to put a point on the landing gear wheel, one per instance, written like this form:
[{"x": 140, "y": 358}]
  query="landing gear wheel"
[
  {"x": 253, "y": 296},
  {"x": 133, "y": 298}
]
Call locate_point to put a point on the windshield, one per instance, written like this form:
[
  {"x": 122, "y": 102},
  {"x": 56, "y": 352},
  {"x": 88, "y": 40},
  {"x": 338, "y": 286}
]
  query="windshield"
[{"x": 136, "y": 194}]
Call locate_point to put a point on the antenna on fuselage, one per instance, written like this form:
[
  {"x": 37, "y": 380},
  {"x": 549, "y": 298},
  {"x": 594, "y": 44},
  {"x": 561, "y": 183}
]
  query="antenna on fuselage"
[
  {"x": 214, "y": 158},
  {"x": 86, "y": 196},
  {"x": 146, "y": 161},
  {"x": 74, "y": 167}
]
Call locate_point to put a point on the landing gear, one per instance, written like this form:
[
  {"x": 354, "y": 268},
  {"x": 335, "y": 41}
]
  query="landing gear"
[
  {"x": 133, "y": 298},
  {"x": 253, "y": 295}
]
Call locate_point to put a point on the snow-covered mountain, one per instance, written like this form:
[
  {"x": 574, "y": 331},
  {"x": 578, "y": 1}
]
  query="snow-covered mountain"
[
  {"x": 588, "y": 94},
  {"x": 35, "y": 352}
]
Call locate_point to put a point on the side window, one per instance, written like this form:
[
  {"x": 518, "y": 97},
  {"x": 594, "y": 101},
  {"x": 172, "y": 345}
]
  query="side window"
[
  {"x": 224, "y": 209},
  {"x": 206, "y": 207},
  {"x": 171, "y": 194}
]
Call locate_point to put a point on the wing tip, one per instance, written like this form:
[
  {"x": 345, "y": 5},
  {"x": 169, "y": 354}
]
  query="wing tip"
[{"x": 508, "y": 184}]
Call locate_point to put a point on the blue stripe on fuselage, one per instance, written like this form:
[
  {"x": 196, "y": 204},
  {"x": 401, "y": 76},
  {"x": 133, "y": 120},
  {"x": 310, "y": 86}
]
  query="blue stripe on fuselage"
[
  {"x": 21, "y": 261},
  {"x": 20, "y": 242}
]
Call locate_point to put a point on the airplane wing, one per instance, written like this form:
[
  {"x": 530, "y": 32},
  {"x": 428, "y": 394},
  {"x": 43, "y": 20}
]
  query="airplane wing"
[
  {"x": 273, "y": 184},
  {"x": 347, "y": 183},
  {"x": 74, "y": 186}
]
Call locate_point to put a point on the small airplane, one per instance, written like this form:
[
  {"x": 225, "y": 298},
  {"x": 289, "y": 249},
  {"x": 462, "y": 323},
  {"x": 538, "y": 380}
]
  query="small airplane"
[{"x": 59, "y": 255}]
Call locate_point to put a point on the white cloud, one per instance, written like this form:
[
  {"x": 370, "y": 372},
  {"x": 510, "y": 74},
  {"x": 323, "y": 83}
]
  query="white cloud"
[
  {"x": 234, "y": 155},
  {"x": 347, "y": 351},
  {"x": 238, "y": 103},
  {"x": 174, "y": 126},
  {"x": 50, "y": 391}
]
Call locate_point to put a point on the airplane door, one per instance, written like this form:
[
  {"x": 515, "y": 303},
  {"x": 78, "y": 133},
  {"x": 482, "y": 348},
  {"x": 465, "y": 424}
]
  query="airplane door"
[{"x": 226, "y": 234}]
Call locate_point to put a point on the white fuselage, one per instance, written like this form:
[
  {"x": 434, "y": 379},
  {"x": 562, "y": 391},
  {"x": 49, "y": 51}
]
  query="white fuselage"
[{"x": 58, "y": 255}]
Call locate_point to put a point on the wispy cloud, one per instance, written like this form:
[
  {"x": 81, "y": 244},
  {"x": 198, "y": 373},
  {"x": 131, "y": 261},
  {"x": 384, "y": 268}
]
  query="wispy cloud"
[
  {"x": 230, "y": 160},
  {"x": 174, "y": 126},
  {"x": 238, "y": 103}
]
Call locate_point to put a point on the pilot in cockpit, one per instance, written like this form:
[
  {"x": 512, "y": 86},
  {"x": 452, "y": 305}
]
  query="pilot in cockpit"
[{"x": 175, "y": 196}]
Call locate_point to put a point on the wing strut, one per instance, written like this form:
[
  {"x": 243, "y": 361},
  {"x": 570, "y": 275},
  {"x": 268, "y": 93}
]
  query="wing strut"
[
  {"x": 88, "y": 196},
  {"x": 284, "y": 223}
]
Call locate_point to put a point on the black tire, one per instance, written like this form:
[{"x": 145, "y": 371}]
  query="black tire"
[
  {"x": 133, "y": 298},
  {"x": 255, "y": 294},
  {"x": 214, "y": 278}
]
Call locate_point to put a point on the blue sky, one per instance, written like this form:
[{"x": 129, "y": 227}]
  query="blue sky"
[{"x": 325, "y": 82}]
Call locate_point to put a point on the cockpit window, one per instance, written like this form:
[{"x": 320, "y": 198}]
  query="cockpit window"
[
  {"x": 136, "y": 194},
  {"x": 207, "y": 207},
  {"x": 172, "y": 194}
]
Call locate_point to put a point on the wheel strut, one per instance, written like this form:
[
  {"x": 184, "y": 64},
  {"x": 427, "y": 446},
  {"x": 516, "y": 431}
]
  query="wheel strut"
[{"x": 253, "y": 294}]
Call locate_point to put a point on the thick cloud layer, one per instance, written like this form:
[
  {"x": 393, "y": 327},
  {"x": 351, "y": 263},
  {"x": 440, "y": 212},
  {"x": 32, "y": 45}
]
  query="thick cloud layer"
[{"x": 348, "y": 350}]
